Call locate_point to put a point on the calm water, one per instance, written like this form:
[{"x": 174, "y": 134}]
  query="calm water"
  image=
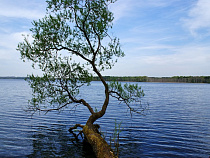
[{"x": 177, "y": 124}]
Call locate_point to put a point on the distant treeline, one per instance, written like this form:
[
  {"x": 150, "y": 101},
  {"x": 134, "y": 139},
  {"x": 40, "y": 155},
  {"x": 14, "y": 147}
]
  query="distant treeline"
[
  {"x": 12, "y": 77},
  {"x": 180, "y": 79}
]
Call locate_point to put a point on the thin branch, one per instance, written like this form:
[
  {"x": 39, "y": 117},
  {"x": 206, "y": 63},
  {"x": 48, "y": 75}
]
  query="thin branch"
[
  {"x": 119, "y": 97},
  {"x": 75, "y": 127},
  {"x": 60, "y": 47},
  {"x": 74, "y": 107},
  {"x": 73, "y": 51},
  {"x": 81, "y": 101},
  {"x": 83, "y": 29},
  {"x": 55, "y": 109},
  {"x": 125, "y": 100},
  {"x": 136, "y": 110},
  {"x": 99, "y": 45}
]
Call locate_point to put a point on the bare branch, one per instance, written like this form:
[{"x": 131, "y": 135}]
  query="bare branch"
[
  {"x": 71, "y": 50},
  {"x": 120, "y": 98},
  {"x": 55, "y": 109},
  {"x": 75, "y": 127}
]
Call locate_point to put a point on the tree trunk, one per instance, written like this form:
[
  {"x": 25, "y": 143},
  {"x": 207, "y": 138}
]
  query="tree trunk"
[
  {"x": 99, "y": 145},
  {"x": 93, "y": 137}
]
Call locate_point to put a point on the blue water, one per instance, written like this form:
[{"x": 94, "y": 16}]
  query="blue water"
[{"x": 177, "y": 123}]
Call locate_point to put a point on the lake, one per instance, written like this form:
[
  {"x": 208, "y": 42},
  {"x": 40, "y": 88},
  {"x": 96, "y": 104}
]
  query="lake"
[{"x": 177, "y": 123}]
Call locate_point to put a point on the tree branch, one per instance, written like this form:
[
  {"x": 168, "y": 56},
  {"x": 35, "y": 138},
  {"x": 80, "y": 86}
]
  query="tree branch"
[
  {"x": 55, "y": 109},
  {"x": 81, "y": 101},
  {"x": 71, "y": 50},
  {"x": 83, "y": 29},
  {"x": 119, "y": 97},
  {"x": 75, "y": 127},
  {"x": 99, "y": 45}
]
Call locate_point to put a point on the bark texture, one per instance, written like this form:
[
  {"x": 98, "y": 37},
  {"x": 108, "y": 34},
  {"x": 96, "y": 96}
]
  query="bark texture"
[{"x": 99, "y": 145}]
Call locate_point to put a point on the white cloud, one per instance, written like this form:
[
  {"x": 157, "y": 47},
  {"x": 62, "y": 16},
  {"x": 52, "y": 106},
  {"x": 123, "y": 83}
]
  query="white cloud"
[
  {"x": 124, "y": 8},
  {"x": 155, "y": 47},
  {"x": 21, "y": 13},
  {"x": 11, "y": 40},
  {"x": 10, "y": 62},
  {"x": 199, "y": 17},
  {"x": 22, "y": 9},
  {"x": 186, "y": 55},
  {"x": 184, "y": 60},
  {"x": 121, "y": 9},
  {"x": 128, "y": 8}
]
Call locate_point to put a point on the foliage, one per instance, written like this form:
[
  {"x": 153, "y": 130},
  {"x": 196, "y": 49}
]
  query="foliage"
[{"x": 70, "y": 45}]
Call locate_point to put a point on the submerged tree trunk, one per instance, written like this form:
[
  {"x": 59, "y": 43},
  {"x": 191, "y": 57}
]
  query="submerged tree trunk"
[
  {"x": 93, "y": 137},
  {"x": 99, "y": 145}
]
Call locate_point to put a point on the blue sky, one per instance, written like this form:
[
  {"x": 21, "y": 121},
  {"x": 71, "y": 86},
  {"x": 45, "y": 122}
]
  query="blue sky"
[{"x": 159, "y": 37}]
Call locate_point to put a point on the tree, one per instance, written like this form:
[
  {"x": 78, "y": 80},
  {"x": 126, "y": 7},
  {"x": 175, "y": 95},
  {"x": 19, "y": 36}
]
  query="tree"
[{"x": 72, "y": 30}]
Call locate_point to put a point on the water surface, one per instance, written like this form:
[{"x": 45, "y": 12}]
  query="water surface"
[{"x": 177, "y": 124}]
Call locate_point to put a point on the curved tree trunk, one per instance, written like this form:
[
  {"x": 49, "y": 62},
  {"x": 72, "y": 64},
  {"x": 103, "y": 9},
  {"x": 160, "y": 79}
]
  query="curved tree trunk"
[
  {"x": 99, "y": 145},
  {"x": 93, "y": 137}
]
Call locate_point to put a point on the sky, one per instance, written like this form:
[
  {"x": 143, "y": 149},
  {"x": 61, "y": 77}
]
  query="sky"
[{"x": 160, "y": 38}]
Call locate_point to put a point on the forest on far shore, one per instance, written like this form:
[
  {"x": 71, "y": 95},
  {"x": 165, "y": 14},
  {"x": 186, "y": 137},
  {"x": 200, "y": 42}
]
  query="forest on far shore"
[{"x": 179, "y": 79}]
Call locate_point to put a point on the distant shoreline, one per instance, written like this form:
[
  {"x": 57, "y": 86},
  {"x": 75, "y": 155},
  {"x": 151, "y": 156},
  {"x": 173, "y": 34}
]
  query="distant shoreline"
[{"x": 174, "y": 79}]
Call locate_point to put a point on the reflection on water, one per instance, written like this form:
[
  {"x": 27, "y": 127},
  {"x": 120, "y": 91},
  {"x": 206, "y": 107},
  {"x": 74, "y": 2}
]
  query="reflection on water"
[
  {"x": 56, "y": 142},
  {"x": 177, "y": 125}
]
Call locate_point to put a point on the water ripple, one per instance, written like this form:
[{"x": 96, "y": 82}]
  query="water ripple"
[{"x": 177, "y": 124}]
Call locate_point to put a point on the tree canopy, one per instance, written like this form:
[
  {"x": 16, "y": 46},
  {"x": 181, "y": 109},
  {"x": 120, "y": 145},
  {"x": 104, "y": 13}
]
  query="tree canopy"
[
  {"x": 70, "y": 45},
  {"x": 71, "y": 28}
]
